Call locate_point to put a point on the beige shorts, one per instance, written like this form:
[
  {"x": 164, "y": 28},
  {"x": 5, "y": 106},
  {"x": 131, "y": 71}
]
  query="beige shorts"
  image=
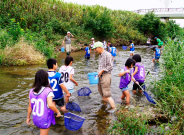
[
  {"x": 68, "y": 47},
  {"x": 104, "y": 85}
]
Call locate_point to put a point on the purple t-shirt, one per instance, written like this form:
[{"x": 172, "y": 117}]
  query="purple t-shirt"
[
  {"x": 125, "y": 79},
  {"x": 43, "y": 116},
  {"x": 140, "y": 75}
]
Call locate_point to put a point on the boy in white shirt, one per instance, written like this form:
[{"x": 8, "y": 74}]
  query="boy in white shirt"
[{"x": 67, "y": 72}]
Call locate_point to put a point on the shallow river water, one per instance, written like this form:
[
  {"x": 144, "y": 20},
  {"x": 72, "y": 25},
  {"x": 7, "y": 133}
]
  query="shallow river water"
[{"x": 15, "y": 83}]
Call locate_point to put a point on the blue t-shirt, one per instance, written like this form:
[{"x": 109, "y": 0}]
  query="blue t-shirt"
[
  {"x": 132, "y": 49},
  {"x": 87, "y": 52},
  {"x": 113, "y": 51},
  {"x": 157, "y": 52},
  {"x": 55, "y": 82}
]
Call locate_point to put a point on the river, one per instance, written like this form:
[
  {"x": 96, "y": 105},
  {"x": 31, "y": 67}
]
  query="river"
[{"x": 16, "y": 81}]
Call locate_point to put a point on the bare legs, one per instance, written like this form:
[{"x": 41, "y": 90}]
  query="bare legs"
[
  {"x": 63, "y": 108},
  {"x": 67, "y": 98},
  {"x": 127, "y": 95},
  {"x": 44, "y": 131},
  {"x": 110, "y": 101}
]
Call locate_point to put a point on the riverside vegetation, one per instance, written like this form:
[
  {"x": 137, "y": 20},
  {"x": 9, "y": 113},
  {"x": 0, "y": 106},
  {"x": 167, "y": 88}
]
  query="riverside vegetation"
[
  {"x": 44, "y": 23},
  {"x": 31, "y": 30},
  {"x": 169, "y": 93}
]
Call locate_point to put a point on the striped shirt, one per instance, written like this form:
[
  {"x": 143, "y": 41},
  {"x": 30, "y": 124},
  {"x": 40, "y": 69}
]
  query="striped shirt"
[{"x": 105, "y": 62}]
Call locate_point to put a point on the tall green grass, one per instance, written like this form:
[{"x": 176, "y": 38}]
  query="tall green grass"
[
  {"x": 170, "y": 88},
  {"x": 45, "y": 23}
]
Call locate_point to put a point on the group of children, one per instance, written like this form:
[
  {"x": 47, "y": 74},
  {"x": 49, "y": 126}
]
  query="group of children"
[
  {"x": 47, "y": 92},
  {"x": 133, "y": 70},
  {"x": 107, "y": 46},
  {"x": 48, "y": 87}
]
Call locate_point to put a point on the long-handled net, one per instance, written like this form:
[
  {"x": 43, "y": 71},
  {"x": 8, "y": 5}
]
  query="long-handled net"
[
  {"x": 72, "y": 106},
  {"x": 73, "y": 122},
  {"x": 85, "y": 91}
]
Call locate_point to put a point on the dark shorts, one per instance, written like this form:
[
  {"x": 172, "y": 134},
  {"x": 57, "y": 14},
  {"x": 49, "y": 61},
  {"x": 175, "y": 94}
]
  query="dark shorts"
[
  {"x": 135, "y": 86},
  {"x": 60, "y": 102},
  {"x": 87, "y": 58},
  {"x": 157, "y": 57}
]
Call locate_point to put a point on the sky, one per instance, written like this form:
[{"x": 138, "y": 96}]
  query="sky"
[{"x": 132, "y": 5}]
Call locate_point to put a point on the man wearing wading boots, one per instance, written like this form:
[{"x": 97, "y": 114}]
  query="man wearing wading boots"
[
  {"x": 67, "y": 41},
  {"x": 104, "y": 72}
]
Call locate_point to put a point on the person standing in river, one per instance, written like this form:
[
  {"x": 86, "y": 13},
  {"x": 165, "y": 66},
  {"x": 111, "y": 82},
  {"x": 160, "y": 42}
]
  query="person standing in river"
[
  {"x": 40, "y": 103},
  {"x": 132, "y": 49},
  {"x": 67, "y": 41},
  {"x": 104, "y": 72},
  {"x": 160, "y": 43}
]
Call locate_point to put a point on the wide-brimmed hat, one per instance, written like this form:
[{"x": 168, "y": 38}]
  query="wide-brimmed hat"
[{"x": 97, "y": 44}]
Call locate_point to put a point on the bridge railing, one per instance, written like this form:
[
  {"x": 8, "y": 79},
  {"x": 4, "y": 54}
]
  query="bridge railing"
[{"x": 160, "y": 10}]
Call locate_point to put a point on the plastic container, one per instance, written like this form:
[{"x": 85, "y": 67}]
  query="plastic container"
[
  {"x": 62, "y": 49},
  {"x": 93, "y": 78},
  {"x": 124, "y": 47}
]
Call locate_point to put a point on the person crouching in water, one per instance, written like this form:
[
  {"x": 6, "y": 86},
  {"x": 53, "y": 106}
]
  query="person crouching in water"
[
  {"x": 139, "y": 73},
  {"x": 125, "y": 79}
]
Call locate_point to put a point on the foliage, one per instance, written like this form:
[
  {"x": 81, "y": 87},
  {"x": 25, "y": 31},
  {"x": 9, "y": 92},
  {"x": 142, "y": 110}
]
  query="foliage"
[
  {"x": 174, "y": 30},
  {"x": 46, "y": 22},
  {"x": 169, "y": 89},
  {"x": 150, "y": 25},
  {"x": 14, "y": 29},
  {"x": 5, "y": 39},
  {"x": 129, "y": 123},
  {"x": 21, "y": 54}
]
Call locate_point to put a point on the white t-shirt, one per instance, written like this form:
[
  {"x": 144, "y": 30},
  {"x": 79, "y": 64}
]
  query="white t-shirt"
[{"x": 66, "y": 71}]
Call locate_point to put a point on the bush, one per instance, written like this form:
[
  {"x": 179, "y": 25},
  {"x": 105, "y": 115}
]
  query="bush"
[{"x": 5, "y": 39}]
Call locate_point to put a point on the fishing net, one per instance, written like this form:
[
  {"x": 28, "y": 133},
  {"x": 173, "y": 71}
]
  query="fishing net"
[
  {"x": 72, "y": 106},
  {"x": 73, "y": 122},
  {"x": 85, "y": 91},
  {"x": 149, "y": 98}
]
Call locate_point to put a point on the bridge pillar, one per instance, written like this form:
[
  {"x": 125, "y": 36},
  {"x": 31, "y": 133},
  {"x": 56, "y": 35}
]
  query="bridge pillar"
[{"x": 164, "y": 19}]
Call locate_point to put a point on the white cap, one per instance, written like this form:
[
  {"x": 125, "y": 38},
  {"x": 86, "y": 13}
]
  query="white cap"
[
  {"x": 68, "y": 32},
  {"x": 92, "y": 38}
]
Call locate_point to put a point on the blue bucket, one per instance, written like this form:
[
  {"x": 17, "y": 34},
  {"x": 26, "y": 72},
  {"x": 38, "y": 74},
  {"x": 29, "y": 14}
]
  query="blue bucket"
[
  {"x": 93, "y": 78},
  {"x": 62, "y": 49},
  {"x": 124, "y": 47}
]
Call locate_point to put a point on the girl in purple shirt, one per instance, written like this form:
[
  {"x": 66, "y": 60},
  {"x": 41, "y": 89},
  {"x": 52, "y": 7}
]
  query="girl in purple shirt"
[
  {"x": 40, "y": 103},
  {"x": 125, "y": 79},
  {"x": 139, "y": 73}
]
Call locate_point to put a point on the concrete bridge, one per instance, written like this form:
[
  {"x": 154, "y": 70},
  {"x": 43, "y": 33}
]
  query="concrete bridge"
[{"x": 164, "y": 13}]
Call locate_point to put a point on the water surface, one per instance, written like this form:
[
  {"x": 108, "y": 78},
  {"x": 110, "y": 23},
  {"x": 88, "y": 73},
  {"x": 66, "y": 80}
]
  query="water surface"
[{"x": 15, "y": 83}]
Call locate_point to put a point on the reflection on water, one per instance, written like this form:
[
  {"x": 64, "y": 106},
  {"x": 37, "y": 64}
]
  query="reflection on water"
[{"x": 15, "y": 83}]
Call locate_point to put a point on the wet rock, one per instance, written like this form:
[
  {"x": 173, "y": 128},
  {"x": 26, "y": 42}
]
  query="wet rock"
[
  {"x": 167, "y": 128},
  {"x": 173, "y": 118}
]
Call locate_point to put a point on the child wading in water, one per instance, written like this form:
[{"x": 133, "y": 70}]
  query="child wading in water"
[
  {"x": 87, "y": 51},
  {"x": 40, "y": 103},
  {"x": 67, "y": 72},
  {"x": 132, "y": 49},
  {"x": 157, "y": 53},
  {"x": 57, "y": 84},
  {"x": 139, "y": 73},
  {"x": 126, "y": 79},
  {"x": 113, "y": 51}
]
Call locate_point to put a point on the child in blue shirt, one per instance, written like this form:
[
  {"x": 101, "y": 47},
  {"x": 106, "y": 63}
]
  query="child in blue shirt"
[
  {"x": 87, "y": 52},
  {"x": 132, "y": 49},
  {"x": 157, "y": 53},
  {"x": 113, "y": 51},
  {"x": 57, "y": 84}
]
